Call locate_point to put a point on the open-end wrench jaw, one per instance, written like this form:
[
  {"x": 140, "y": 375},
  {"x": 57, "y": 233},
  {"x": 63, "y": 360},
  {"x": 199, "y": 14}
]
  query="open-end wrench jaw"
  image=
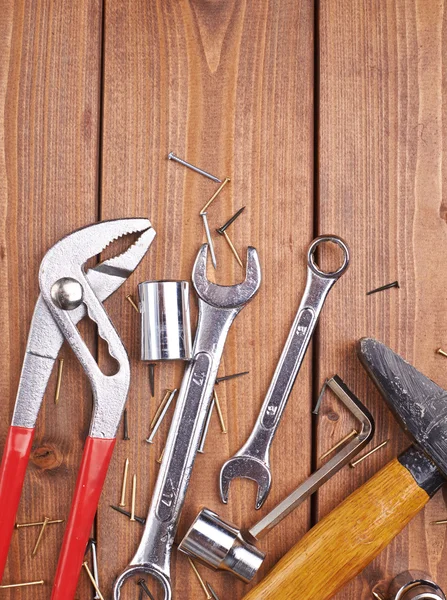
[
  {"x": 222, "y": 296},
  {"x": 256, "y": 470}
]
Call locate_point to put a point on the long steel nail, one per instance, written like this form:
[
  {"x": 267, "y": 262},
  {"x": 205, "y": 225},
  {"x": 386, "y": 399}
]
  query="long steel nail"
[
  {"x": 172, "y": 156},
  {"x": 230, "y": 221},
  {"x": 132, "y": 301},
  {"x": 199, "y": 577},
  {"x": 442, "y": 522},
  {"x": 219, "y": 412},
  {"x": 95, "y": 568},
  {"x": 353, "y": 433},
  {"x": 39, "y": 539},
  {"x": 227, "y": 377},
  {"x": 126, "y": 513},
  {"x": 92, "y": 579},
  {"x": 134, "y": 498},
  {"x": 141, "y": 582},
  {"x": 216, "y": 193},
  {"x": 384, "y": 287},
  {"x": 160, "y": 408},
  {"x": 316, "y": 410},
  {"x": 37, "y": 524},
  {"x": 441, "y": 351},
  {"x": 354, "y": 463},
  {"x": 124, "y": 484},
  {"x": 125, "y": 426},
  {"x": 211, "y": 590},
  {"x": 201, "y": 448},
  {"x": 59, "y": 380},
  {"x": 19, "y": 585},
  {"x": 209, "y": 239},
  {"x": 156, "y": 426},
  {"x": 152, "y": 378}
]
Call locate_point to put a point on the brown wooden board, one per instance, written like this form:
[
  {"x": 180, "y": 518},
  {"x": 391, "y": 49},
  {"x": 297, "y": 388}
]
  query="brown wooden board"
[
  {"x": 229, "y": 87},
  {"x": 49, "y": 92},
  {"x": 92, "y": 100},
  {"x": 380, "y": 176}
]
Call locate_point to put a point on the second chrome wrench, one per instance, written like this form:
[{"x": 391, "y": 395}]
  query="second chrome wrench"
[
  {"x": 218, "y": 307},
  {"x": 252, "y": 461}
]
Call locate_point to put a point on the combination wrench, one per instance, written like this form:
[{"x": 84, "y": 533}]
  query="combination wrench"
[
  {"x": 252, "y": 461},
  {"x": 218, "y": 307}
]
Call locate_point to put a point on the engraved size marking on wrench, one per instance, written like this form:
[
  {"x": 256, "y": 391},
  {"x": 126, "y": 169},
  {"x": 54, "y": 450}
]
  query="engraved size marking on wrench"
[
  {"x": 199, "y": 374},
  {"x": 298, "y": 345}
]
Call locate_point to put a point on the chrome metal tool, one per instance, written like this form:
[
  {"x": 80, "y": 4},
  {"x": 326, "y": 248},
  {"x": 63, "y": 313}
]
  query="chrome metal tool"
[
  {"x": 222, "y": 546},
  {"x": 252, "y": 461},
  {"x": 218, "y": 307},
  {"x": 68, "y": 293}
]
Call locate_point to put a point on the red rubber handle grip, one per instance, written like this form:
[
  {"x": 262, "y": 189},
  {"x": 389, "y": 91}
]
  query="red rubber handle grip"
[
  {"x": 12, "y": 474},
  {"x": 92, "y": 473}
]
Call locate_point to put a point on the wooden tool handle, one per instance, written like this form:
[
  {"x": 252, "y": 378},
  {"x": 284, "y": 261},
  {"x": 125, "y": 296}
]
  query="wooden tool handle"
[{"x": 346, "y": 540}]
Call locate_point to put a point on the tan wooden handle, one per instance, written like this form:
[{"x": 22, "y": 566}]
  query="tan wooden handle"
[{"x": 346, "y": 540}]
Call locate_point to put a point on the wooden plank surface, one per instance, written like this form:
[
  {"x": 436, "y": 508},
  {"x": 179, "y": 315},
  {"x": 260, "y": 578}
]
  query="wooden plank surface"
[
  {"x": 49, "y": 78},
  {"x": 229, "y": 87},
  {"x": 380, "y": 174}
]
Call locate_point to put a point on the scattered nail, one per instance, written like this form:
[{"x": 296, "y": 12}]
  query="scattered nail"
[
  {"x": 353, "y": 433},
  {"x": 124, "y": 484},
  {"x": 227, "y": 377},
  {"x": 441, "y": 351},
  {"x": 92, "y": 579},
  {"x": 211, "y": 590},
  {"x": 37, "y": 524},
  {"x": 172, "y": 156},
  {"x": 161, "y": 416},
  {"x": 384, "y": 287},
  {"x": 132, "y": 301},
  {"x": 152, "y": 378},
  {"x": 126, "y": 513},
  {"x": 209, "y": 239},
  {"x": 125, "y": 426},
  {"x": 134, "y": 498},
  {"x": 316, "y": 410},
  {"x": 39, "y": 539},
  {"x": 216, "y": 193},
  {"x": 201, "y": 448},
  {"x": 144, "y": 587},
  {"x": 199, "y": 577},
  {"x": 19, "y": 585},
  {"x": 59, "y": 381},
  {"x": 219, "y": 412},
  {"x": 354, "y": 463}
]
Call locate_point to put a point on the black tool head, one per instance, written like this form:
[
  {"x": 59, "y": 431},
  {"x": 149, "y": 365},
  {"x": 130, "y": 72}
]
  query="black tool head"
[{"x": 418, "y": 403}]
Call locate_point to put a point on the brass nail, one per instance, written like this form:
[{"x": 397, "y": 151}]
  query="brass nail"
[
  {"x": 134, "y": 497},
  {"x": 37, "y": 524},
  {"x": 39, "y": 539},
  {"x": 59, "y": 381},
  {"x": 199, "y": 577},
  {"x": 132, "y": 301},
  {"x": 443, "y": 522},
  {"x": 378, "y": 596},
  {"x": 216, "y": 193},
  {"x": 233, "y": 249},
  {"x": 19, "y": 585},
  {"x": 160, "y": 408},
  {"x": 354, "y": 463},
  {"x": 219, "y": 412},
  {"x": 441, "y": 351},
  {"x": 161, "y": 456},
  {"x": 124, "y": 484},
  {"x": 92, "y": 579},
  {"x": 353, "y": 433}
]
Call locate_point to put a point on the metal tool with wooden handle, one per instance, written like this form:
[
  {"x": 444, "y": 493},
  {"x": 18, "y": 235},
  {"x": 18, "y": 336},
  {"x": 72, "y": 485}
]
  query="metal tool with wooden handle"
[{"x": 353, "y": 534}]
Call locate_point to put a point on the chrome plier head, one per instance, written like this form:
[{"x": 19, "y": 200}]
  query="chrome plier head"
[{"x": 68, "y": 292}]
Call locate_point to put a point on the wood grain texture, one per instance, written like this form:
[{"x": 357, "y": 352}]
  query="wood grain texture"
[
  {"x": 229, "y": 87},
  {"x": 49, "y": 76},
  {"x": 346, "y": 540},
  {"x": 380, "y": 174}
]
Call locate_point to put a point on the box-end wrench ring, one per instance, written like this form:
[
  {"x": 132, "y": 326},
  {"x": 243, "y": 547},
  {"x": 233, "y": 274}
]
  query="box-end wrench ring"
[
  {"x": 218, "y": 307},
  {"x": 252, "y": 461}
]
